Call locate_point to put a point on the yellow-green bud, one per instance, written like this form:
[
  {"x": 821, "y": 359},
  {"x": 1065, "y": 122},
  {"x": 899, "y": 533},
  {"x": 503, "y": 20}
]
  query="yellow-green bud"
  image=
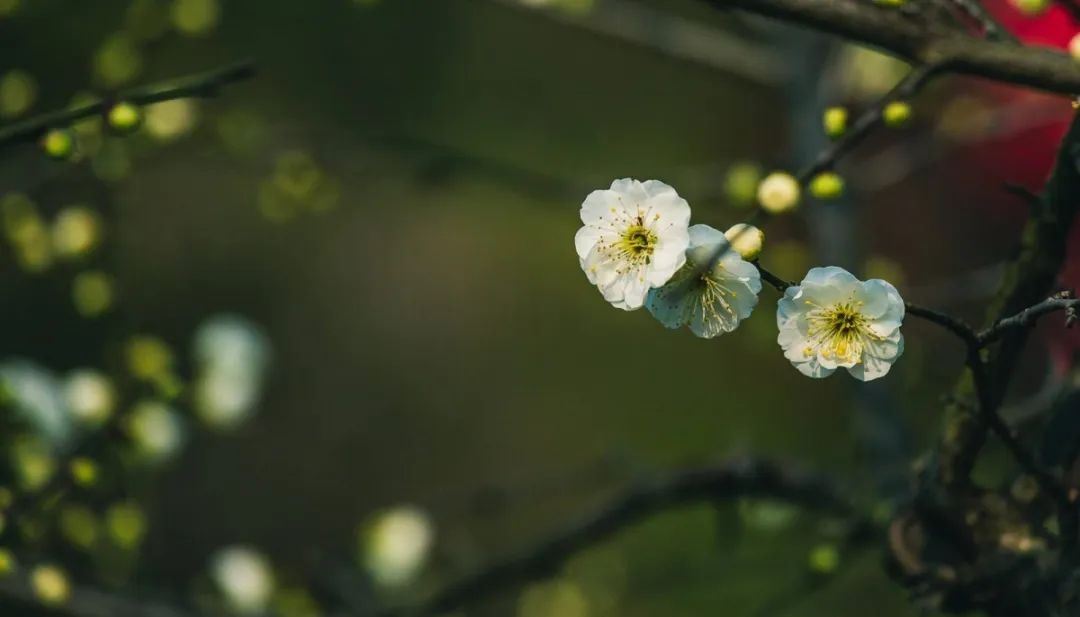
[
  {"x": 892, "y": 3},
  {"x": 835, "y": 121},
  {"x": 896, "y": 113},
  {"x": 1031, "y": 8},
  {"x": 58, "y": 144},
  {"x": 827, "y": 185},
  {"x": 50, "y": 585},
  {"x": 824, "y": 559},
  {"x": 124, "y": 117},
  {"x": 747, "y": 240},
  {"x": 7, "y": 562},
  {"x": 84, "y": 471},
  {"x": 778, "y": 192}
]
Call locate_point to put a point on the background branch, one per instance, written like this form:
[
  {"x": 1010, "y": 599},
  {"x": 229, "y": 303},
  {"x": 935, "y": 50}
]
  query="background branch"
[
  {"x": 202, "y": 85},
  {"x": 924, "y": 43},
  {"x": 739, "y": 478}
]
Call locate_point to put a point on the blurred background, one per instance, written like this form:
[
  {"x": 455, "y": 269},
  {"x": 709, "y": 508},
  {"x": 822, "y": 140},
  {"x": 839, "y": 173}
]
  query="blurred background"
[{"x": 333, "y": 329}]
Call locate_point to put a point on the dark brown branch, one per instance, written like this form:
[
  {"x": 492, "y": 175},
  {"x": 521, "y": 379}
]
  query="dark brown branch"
[
  {"x": 202, "y": 85},
  {"x": 988, "y": 411},
  {"x": 923, "y": 43},
  {"x": 1028, "y": 281},
  {"x": 740, "y": 478}
]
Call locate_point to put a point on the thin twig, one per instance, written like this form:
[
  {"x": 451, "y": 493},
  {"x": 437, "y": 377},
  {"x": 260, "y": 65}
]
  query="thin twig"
[
  {"x": 740, "y": 478},
  {"x": 868, "y": 121},
  {"x": 1027, "y": 317},
  {"x": 202, "y": 85}
]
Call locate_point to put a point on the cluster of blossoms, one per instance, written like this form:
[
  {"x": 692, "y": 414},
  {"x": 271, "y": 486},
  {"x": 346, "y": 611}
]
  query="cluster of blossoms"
[{"x": 638, "y": 247}]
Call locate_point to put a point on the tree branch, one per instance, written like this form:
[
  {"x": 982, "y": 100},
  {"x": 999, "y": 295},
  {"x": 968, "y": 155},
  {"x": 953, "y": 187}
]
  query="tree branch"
[
  {"x": 1027, "y": 282},
  {"x": 740, "y": 478},
  {"x": 922, "y": 43},
  {"x": 1027, "y": 317},
  {"x": 202, "y": 85}
]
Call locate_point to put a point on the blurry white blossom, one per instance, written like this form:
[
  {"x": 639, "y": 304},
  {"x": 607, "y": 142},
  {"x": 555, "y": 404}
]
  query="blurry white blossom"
[
  {"x": 634, "y": 238},
  {"x": 156, "y": 430},
  {"x": 395, "y": 545},
  {"x": 245, "y": 578},
  {"x": 38, "y": 398},
  {"x": 713, "y": 292},
  {"x": 231, "y": 356},
  {"x": 90, "y": 396},
  {"x": 833, "y": 319}
]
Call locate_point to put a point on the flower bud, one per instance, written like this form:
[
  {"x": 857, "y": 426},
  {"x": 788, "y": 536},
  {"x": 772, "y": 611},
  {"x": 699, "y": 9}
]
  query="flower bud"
[
  {"x": 778, "y": 192},
  {"x": 124, "y": 118},
  {"x": 50, "y": 585},
  {"x": 1031, "y": 8},
  {"x": 58, "y": 144},
  {"x": 827, "y": 185},
  {"x": 896, "y": 113},
  {"x": 835, "y": 121},
  {"x": 747, "y": 240}
]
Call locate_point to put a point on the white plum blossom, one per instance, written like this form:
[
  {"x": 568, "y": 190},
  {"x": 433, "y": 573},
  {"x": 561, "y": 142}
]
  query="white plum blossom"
[
  {"x": 634, "y": 238},
  {"x": 714, "y": 291},
  {"x": 832, "y": 319}
]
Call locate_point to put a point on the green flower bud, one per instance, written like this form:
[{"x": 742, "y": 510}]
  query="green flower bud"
[
  {"x": 896, "y": 113},
  {"x": 58, "y": 144},
  {"x": 835, "y": 121},
  {"x": 1031, "y": 8},
  {"x": 827, "y": 185},
  {"x": 124, "y": 118}
]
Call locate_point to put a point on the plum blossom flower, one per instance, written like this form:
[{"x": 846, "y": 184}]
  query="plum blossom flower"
[
  {"x": 832, "y": 319},
  {"x": 634, "y": 238},
  {"x": 714, "y": 291}
]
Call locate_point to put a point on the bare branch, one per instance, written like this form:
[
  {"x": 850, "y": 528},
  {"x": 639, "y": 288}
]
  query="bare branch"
[
  {"x": 202, "y": 85},
  {"x": 1027, "y": 317}
]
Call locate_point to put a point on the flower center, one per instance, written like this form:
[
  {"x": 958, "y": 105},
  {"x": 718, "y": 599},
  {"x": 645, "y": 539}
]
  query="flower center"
[
  {"x": 840, "y": 331},
  {"x": 637, "y": 243}
]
